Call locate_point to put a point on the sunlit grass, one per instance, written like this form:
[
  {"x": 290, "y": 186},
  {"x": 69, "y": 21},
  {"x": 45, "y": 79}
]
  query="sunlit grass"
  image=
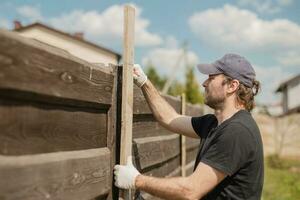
[{"x": 282, "y": 179}]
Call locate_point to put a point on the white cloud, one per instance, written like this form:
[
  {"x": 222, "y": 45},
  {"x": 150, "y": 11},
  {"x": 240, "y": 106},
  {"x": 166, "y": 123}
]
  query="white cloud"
[
  {"x": 231, "y": 26},
  {"x": 107, "y": 25},
  {"x": 291, "y": 58},
  {"x": 169, "y": 59},
  {"x": 266, "y": 6},
  {"x": 285, "y": 2},
  {"x": 232, "y": 29},
  {"x": 238, "y": 29},
  {"x": 171, "y": 42},
  {"x": 30, "y": 13},
  {"x": 270, "y": 78}
]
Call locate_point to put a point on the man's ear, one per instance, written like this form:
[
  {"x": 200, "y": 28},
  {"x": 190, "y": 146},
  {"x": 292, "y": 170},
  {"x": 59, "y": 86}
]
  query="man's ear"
[{"x": 233, "y": 86}]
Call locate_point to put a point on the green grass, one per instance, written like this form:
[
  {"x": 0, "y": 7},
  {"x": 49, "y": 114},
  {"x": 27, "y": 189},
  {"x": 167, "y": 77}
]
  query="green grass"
[{"x": 280, "y": 182}]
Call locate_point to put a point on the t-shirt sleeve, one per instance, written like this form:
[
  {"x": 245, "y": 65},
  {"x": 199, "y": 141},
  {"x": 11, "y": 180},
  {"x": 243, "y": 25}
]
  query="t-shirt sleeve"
[
  {"x": 202, "y": 125},
  {"x": 230, "y": 150}
]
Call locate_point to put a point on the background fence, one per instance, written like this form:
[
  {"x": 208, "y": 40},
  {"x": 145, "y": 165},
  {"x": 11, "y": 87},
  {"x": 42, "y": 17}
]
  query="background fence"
[{"x": 59, "y": 126}]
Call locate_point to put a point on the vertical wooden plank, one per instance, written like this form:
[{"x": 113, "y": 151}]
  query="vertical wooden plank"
[
  {"x": 119, "y": 74},
  {"x": 183, "y": 139},
  {"x": 111, "y": 129},
  {"x": 127, "y": 87}
]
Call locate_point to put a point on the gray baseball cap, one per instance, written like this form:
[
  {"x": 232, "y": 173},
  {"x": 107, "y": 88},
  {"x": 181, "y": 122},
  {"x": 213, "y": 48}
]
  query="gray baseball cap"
[{"x": 232, "y": 65}]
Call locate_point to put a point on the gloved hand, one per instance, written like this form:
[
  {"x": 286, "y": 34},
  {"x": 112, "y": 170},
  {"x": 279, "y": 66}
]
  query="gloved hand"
[
  {"x": 125, "y": 175},
  {"x": 139, "y": 76}
]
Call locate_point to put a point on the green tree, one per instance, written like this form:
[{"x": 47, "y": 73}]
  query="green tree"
[
  {"x": 176, "y": 89},
  {"x": 154, "y": 77},
  {"x": 192, "y": 89}
]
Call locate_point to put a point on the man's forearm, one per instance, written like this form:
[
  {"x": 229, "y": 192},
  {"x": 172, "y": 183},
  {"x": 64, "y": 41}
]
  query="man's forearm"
[
  {"x": 161, "y": 109},
  {"x": 166, "y": 188}
]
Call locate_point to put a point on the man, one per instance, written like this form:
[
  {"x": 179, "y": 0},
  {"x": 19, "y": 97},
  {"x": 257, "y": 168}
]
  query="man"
[{"x": 229, "y": 164}]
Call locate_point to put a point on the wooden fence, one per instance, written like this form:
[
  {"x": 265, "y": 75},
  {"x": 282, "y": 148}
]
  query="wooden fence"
[{"x": 60, "y": 126}]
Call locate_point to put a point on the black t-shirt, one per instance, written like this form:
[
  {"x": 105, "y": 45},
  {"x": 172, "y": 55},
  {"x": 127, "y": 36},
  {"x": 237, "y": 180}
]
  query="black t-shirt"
[{"x": 234, "y": 148}]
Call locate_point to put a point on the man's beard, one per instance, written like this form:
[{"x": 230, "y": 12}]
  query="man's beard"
[{"x": 215, "y": 102}]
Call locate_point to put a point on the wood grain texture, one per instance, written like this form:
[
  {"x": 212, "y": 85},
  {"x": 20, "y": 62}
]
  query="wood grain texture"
[
  {"x": 163, "y": 169},
  {"x": 147, "y": 196},
  {"x": 154, "y": 150},
  {"x": 127, "y": 90},
  {"x": 31, "y": 128},
  {"x": 190, "y": 168},
  {"x": 192, "y": 143},
  {"x": 183, "y": 138},
  {"x": 149, "y": 129},
  {"x": 127, "y": 84},
  {"x": 29, "y": 65},
  {"x": 175, "y": 173},
  {"x": 194, "y": 110},
  {"x": 112, "y": 133},
  {"x": 140, "y": 105},
  {"x": 65, "y": 175},
  {"x": 191, "y": 155}
]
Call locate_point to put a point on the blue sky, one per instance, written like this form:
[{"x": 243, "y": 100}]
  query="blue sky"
[{"x": 266, "y": 32}]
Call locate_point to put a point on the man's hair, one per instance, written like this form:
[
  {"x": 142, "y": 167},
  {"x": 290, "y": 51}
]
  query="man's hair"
[{"x": 245, "y": 95}]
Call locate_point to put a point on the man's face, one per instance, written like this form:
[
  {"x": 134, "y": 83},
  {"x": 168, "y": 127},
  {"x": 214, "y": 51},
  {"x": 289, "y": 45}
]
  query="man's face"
[{"x": 215, "y": 92}]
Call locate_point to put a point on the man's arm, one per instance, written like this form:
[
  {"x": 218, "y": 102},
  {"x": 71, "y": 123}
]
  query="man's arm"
[
  {"x": 193, "y": 187},
  {"x": 163, "y": 112}
]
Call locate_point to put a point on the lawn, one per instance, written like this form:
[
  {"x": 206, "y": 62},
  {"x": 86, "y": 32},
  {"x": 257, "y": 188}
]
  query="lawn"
[{"x": 282, "y": 179}]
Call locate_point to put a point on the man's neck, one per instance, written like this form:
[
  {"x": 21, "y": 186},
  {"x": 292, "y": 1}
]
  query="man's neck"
[{"x": 226, "y": 112}]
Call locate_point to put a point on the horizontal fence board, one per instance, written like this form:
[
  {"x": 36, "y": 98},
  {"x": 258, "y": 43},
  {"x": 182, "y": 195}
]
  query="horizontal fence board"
[
  {"x": 191, "y": 154},
  {"x": 176, "y": 172},
  {"x": 189, "y": 168},
  {"x": 163, "y": 169},
  {"x": 140, "y": 105},
  {"x": 154, "y": 150},
  {"x": 147, "y": 196},
  {"x": 148, "y": 129},
  {"x": 194, "y": 110},
  {"x": 31, "y": 128},
  {"x": 29, "y": 65},
  {"x": 192, "y": 143},
  {"x": 65, "y": 175},
  {"x": 174, "y": 102}
]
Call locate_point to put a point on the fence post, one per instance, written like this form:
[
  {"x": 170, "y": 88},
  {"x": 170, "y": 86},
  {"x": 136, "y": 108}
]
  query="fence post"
[
  {"x": 183, "y": 139},
  {"x": 127, "y": 90}
]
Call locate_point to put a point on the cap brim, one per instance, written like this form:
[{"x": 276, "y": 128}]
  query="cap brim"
[{"x": 208, "y": 69}]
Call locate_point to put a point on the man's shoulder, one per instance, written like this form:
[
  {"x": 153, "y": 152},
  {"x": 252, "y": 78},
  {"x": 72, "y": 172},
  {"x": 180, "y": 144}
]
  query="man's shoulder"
[
  {"x": 244, "y": 120},
  {"x": 241, "y": 131},
  {"x": 235, "y": 128}
]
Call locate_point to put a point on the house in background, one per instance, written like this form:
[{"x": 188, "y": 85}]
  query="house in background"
[
  {"x": 290, "y": 90},
  {"x": 74, "y": 44}
]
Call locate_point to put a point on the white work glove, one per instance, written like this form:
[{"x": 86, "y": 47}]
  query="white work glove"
[
  {"x": 125, "y": 175},
  {"x": 139, "y": 76}
]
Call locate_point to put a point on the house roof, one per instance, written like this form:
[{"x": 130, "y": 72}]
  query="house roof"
[
  {"x": 287, "y": 82},
  {"x": 37, "y": 24}
]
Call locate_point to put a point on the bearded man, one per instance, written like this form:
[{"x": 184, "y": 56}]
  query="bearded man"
[{"x": 229, "y": 164}]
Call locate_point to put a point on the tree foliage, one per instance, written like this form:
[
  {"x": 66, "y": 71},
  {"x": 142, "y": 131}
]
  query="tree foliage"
[
  {"x": 154, "y": 77},
  {"x": 192, "y": 90},
  {"x": 190, "y": 87}
]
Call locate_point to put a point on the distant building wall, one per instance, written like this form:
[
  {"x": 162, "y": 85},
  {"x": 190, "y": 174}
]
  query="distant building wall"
[
  {"x": 280, "y": 134},
  {"x": 293, "y": 92}
]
